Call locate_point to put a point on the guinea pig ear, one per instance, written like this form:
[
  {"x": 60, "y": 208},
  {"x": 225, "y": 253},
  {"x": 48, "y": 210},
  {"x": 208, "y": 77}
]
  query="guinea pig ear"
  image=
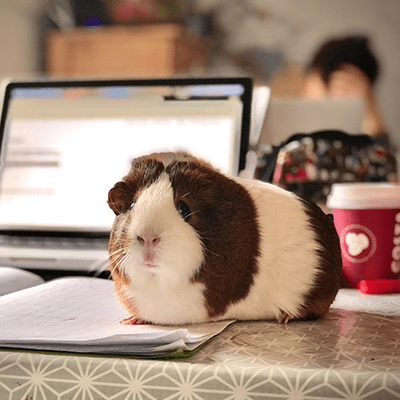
[{"x": 118, "y": 198}]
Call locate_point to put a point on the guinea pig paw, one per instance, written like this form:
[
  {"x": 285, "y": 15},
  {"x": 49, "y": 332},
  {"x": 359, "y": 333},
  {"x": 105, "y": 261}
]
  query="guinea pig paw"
[
  {"x": 284, "y": 317},
  {"x": 132, "y": 320}
]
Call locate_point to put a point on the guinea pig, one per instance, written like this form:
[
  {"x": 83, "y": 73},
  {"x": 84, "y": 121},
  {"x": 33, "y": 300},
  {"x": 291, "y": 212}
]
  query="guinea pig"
[{"x": 190, "y": 245}]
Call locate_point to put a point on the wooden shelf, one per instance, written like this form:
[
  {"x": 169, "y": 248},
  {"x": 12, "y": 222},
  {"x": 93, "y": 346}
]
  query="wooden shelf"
[{"x": 146, "y": 50}]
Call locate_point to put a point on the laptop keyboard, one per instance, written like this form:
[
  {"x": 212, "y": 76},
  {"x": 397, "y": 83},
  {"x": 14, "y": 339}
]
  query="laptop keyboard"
[{"x": 53, "y": 242}]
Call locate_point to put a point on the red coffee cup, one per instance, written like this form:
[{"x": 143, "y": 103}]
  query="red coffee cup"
[{"x": 367, "y": 220}]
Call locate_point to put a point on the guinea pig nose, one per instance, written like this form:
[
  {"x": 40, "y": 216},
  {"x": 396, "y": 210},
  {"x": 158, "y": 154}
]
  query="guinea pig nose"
[{"x": 151, "y": 240}]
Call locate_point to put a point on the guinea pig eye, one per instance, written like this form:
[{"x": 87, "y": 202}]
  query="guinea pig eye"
[
  {"x": 131, "y": 206},
  {"x": 184, "y": 210}
]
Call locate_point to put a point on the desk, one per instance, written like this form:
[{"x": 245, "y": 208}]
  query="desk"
[{"x": 354, "y": 353}]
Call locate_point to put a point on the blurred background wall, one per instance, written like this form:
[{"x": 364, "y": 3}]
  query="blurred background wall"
[
  {"x": 20, "y": 28},
  {"x": 269, "y": 39}
]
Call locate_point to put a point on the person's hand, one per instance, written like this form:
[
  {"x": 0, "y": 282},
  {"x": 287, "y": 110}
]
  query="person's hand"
[{"x": 349, "y": 81}]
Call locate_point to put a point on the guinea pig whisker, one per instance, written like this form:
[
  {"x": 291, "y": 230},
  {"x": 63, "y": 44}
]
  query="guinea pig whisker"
[
  {"x": 206, "y": 247},
  {"x": 117, "y": 258},
  {"x": 211, "y": 252},
  {"x": 101, "y": 267},
  {"x": 118, "y": 264},
  {"x": 186, "y": 194},
  {"x": 115, "y": 252},
  {"x": 193, "y": 212},
  {"x": 114, "y": 263}
]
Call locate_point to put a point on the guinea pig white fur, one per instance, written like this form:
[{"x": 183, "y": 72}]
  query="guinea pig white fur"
[{"x": 190, "y": 245}]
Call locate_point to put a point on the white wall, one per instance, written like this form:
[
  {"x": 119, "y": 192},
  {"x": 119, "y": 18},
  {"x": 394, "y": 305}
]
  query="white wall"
[{"x": 19, "y": 37}]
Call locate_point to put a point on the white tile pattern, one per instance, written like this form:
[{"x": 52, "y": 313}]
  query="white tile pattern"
[{"x": 354, "y": 353}]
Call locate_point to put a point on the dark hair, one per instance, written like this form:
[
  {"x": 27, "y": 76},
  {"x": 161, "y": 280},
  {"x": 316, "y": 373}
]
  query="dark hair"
[{"x": 349, "y": 50}]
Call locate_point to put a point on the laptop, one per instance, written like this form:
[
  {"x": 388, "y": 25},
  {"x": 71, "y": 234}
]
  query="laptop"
[
  {"x": 64, "y": 144},
  {"x": 288, "y": 116}
]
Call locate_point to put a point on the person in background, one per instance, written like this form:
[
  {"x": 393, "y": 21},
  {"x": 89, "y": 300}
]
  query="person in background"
[
  {"x": 308, "y": 164},
  {"x": 346, "y": 67}
]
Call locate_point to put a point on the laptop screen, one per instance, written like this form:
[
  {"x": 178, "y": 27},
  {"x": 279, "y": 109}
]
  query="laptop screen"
[{"x": 65, "y": 144}]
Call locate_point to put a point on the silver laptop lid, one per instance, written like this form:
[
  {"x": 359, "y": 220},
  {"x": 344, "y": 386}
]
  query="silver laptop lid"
[
  {"x": 288, "y": 116},
  {"x": 65, "y": 144}
]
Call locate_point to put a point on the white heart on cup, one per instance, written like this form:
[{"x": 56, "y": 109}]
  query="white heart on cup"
[{"x": 356, "y": 243}]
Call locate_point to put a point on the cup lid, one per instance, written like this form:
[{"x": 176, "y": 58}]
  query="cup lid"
[{"x": 364, "y": 196}]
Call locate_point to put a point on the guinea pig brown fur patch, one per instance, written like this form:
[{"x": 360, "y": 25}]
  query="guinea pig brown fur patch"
[
  {"x": 221, "y": 209},
  {"x": 329, "y": 280}
]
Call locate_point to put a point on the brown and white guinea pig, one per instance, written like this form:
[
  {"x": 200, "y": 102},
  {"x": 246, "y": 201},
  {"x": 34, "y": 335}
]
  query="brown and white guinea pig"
[{"x": 190, "y": 245}]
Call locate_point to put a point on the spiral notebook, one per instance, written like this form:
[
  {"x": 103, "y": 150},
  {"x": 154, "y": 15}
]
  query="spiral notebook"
[{"x": 65, "y": 144}]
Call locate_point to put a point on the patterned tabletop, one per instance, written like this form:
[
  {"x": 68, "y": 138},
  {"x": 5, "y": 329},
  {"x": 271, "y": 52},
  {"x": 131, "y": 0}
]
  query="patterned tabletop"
[{"x": 353, "y": 353}]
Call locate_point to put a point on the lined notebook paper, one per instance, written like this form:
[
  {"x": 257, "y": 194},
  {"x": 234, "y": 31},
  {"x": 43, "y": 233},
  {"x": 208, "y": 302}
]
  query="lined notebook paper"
[{"x": 81, "y": 315}]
